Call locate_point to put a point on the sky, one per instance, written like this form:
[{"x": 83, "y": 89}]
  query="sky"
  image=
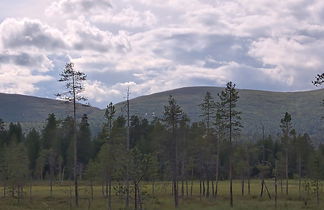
[{"x": 156, "y": 45}]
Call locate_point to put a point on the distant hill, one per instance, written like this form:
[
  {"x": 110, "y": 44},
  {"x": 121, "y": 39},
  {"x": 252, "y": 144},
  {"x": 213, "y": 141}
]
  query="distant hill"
[
  {"x": 258, "y": 107},
  {"x": 33, "y": 111}
]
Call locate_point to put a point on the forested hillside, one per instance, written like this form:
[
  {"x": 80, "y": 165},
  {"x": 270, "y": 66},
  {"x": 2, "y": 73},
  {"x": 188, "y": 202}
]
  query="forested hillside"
[{"x": 257, "y": 107}]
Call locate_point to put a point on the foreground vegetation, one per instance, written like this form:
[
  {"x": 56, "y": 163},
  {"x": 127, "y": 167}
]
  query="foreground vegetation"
[{"x": 60, "y": 198}]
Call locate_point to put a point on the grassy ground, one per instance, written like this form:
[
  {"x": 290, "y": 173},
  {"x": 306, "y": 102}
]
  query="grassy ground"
[{"x": 62, "y": 198}]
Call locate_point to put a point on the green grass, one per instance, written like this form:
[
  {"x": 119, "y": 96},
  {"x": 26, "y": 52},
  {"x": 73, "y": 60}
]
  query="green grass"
[{"x": 61, "y": 198}]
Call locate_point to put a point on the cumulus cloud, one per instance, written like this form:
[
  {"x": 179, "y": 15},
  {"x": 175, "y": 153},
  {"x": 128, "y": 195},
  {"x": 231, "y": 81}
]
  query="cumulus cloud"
[
  {"x": 77, "y": 7},
  {"x": 164, "y": 44},
  {"x": 34, "y": 62},
  {"x": 20, "y": 80},
  {"x": 27, "y": 33}
]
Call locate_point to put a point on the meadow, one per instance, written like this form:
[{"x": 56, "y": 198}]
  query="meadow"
[{"x": 62, "y": 197}]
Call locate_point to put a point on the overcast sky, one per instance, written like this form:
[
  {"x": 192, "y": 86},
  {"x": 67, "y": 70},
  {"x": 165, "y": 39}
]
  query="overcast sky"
[{"x": 156, "y": 45}]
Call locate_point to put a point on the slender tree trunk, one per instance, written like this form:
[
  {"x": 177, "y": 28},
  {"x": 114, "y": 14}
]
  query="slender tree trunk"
[
  {"x": 127, "y": 147},
  {"x": 276, "y": 185},
  {"x": 187, "y": 190},
  {"x": 75, "y": 145},
  {"x": 91, "y": 189},
  {"x": 192, "y": 180},
  {"x": 103, "y": 189},
  {"x": 248, "y": 181},
  {"x": 230, "y": 155},
  {"x": 243, "y": 184},
  {"x": 300, "y": 175},
  {"x": 317, "y": 192},
  {"x": 135, "y": 196},
  {"x": 213, "y": 188},
  {"x": 51, "y": 184},
  {"x": 153, "y": 188},
  {"x": 175, "y": 168},
  {"x": 106, "y": 187},
  {"x": 200, "y": 187},
  {"x": 262, "y": 187},
  {"x": 204, "y": 188},
  {"x": 4, "y": 190},
  {"x": 231, "y": 181},
  {"x": 31, "y": 190},
  {"x": 287, "y": 172},
  {"x": 207, "y": 190},
  {"x": 139, "y": 197},
  {"x": 109, "y": 194},
  {"x": 217, "y": 169}
]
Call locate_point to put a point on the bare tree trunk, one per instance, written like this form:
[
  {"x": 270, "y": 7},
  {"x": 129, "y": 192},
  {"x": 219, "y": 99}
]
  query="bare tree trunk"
[
  {"x": 213, "y": 188},
  {"x": 249, "y": 185},
  {"x": 4, "y": 190},
  {"x": 103, "y": 189},
  {"x": 75, "y": 149},
  {"x": 18, "y": 193},
  {"x": 204, "y": 188},
  {"x": 207, "y": 190},
  {"x": 200, "y": 187},
  {"x": 276, "y": 186},
  {"x": 187, "y": 190},
  {"x": 217, "y": 170},
  {"x": 182, "y": 188},
  {"x": 127, "y": 147},
  {"x": 317, "y": 193},
  {"x": 109, "y": 194},
  {"x": 262, "y": 188},
  {"x": 300, "y": 175},
  {"x": 287, "y": 172},
  {"x": 106, "y": 187},
  {"x": 91, "y": 189},
  {"x": 191, "y": 187},
  {"x": 135, "y": 196},
  {"x": 70, "y": 194},
  {"x": 30, "y": 189},
  {"x": 231, "y": 180},
  {"x": 243, "y": 184},
  {"x": 140, "y": 202}
]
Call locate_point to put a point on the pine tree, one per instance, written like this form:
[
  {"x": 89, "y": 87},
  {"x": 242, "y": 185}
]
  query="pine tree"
[
  {"x": 286, "y": 127},
  {"x": 207, "y": 108},
  {"x": 109, "y": 155},
  {"x": 74, "y": 85},
  {"x": 84, "y": 141},
  {"x": 228, "y": 100},
  {"x": 172, "y": 117}
]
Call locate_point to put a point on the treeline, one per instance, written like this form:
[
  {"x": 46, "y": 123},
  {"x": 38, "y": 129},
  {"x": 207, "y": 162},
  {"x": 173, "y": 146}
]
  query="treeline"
[{"x": 170, "y": 148}]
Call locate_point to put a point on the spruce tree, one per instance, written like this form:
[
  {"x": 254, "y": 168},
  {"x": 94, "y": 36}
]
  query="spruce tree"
[
  {"x": 172, "y": 117},
  {"x": 232, "y": 121},
  {"x": 286, "y": 127}
]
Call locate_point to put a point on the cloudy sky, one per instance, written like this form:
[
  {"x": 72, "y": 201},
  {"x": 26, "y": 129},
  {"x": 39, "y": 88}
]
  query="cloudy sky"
[{"x": 156, "y": 45}]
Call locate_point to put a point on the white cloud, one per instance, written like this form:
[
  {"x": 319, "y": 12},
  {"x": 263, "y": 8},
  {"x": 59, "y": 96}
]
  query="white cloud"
[
  {"x": 127, "y": 17},
  {"x": 31, "y": 34},
  {"x": 163, "y": 44},
  {"x": 77, "y": 7},
  {"x": 20, "y": 80}
]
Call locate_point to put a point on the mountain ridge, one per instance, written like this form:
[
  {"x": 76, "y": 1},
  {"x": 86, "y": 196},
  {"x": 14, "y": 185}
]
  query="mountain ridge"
[{"x": 257, "y": 106}]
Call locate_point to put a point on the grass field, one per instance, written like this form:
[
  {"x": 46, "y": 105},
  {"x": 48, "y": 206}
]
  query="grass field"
[{"x": 61, "y": 198}]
